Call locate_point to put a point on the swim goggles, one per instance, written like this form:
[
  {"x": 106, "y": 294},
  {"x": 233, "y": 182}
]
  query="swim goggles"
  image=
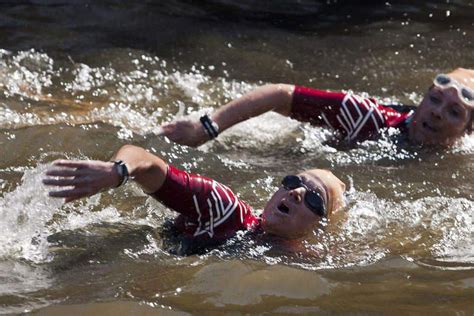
[
  {"x": 465, "y": 94},
  {"x": 312, "y": 199}
]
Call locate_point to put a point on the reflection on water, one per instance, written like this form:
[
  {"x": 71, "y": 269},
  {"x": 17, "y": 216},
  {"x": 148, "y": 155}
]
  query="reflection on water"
[{"x": 408, "y": 225}]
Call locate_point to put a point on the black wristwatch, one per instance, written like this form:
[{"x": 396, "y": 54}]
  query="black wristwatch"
[
  {"x": 211, "y": 127},
  {"x": 122, "y": 170}
]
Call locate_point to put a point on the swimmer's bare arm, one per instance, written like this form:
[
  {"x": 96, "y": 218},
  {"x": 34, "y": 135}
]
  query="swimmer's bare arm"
[
  {"x": 84, "y": 178},
  {"x": 276, "y": 97}
]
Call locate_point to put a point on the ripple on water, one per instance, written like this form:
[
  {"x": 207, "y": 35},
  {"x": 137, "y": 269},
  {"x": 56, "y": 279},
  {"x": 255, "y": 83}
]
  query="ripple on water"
[
  {"x": 428, "y": 227},
  {"x": 431, "y": 230},
  {"x": 139, "y": 93}
]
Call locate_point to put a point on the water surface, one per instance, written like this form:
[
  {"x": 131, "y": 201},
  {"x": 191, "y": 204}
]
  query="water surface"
[{"x": 78, "y": 80}]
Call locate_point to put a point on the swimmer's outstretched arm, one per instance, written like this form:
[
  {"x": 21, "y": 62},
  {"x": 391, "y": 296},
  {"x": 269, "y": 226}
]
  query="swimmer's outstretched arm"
[
  {"x": 85, "y": 178},
  {"x": 276, "y": 97}
]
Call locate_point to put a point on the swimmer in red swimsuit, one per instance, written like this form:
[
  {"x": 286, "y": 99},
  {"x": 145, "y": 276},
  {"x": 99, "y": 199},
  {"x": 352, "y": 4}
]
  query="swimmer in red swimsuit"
[
  {"x": 444, "y": 115},
  {"x": 209, "y": 212}
]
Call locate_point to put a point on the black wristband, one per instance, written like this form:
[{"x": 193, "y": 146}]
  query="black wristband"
[
  {"x": 122, "y": 170},
  {"x": 211, "y": 127}
]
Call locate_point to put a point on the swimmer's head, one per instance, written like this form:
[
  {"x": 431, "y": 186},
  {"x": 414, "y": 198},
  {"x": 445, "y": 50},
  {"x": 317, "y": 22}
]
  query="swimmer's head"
[
  {"x": 302, "y": 202},
  {"x": 446, "y": 112}
]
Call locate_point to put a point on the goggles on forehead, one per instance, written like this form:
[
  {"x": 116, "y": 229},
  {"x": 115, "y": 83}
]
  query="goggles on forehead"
[
  {"x": 312, "y": 199},
  {"x": 465, "y": 94}
]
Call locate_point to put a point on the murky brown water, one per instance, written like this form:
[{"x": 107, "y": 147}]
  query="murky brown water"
[{"x": 79, "y": 80}]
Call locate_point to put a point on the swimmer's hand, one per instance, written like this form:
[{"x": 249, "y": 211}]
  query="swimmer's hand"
[
  {"x": 185, "y": 132},
  {"x": 82, "y": 178}
]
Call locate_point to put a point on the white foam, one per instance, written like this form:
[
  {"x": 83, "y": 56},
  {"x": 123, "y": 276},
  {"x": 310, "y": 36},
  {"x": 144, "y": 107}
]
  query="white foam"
[
  {"x": 24, "y": 213},
  {"x": 26, "y": 218},
  {"x": 17, "y": 277},
  {"x": 443, "y": 225},
  {"x": 465, "y": 145},
  {"x": 25, "y": 73}
]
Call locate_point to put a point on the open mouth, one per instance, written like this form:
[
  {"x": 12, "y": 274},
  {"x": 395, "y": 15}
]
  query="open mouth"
[
  {"x": 283, "y": 208},
  {"x": 429, "y": 128}
]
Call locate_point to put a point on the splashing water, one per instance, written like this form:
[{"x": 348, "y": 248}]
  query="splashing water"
[
  {"x": 24, "y": 214},
  {"x": 136, "y": 92},
  {"x": 27, "y": 218},
  {"x": 465, "y": 145},
  {"x": 25, "y": 73}
]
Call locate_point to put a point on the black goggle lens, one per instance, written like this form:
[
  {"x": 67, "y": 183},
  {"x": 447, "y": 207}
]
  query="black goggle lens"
[
  {"x": 467, "y": 94},
  {"x": 292, "y": 182},
  {"x": 312, "y": 199},
  {"x": 443, "y": 80}
]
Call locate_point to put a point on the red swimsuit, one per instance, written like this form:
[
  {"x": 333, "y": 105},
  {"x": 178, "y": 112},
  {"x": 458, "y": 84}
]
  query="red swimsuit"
[
  {"x": 354, "y": 118},
  {"x": 208, "y": 209}
]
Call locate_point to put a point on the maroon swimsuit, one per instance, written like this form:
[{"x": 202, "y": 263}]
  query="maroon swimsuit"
[
  {"x": 352, "y": 117},
  {"x": 209, "y": 211}
]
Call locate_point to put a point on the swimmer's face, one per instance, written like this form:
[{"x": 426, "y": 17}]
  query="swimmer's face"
[
  {"x": 287, "y": 215},
  {"x": 442, "y": 117}
]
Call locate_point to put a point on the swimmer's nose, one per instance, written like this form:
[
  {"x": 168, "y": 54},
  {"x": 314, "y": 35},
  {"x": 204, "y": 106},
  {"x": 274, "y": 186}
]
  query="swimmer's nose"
[
  {"x": 437, "y": 112},
  {"x": 296, "y": 195}
]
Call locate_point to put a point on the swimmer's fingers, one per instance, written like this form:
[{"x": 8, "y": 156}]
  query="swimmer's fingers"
[
  {"x": 62, "y": 172},
  {"x": 80, "y": 188},
  {"x": 77, "y": 164},
  {"x": 86, "y": 177},
  {"x": 69, "y": 168},
  {"x": 61, "y": 182},
  {"x": 77, "y": 168},
  {"x": 75, "y": 193}
]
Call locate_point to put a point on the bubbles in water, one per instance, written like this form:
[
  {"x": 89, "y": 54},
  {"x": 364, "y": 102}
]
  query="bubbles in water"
[
  {"x": 10, "y": 119},
  {"x": 25, "y": 73},
  {"x": 190, "y": 84},
  {"x": 85, "y": 78}
]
